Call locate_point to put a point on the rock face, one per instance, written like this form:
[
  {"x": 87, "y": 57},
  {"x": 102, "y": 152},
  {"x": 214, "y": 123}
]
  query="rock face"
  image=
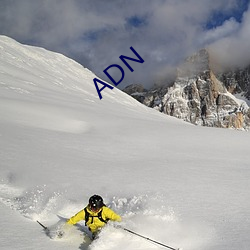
[
  {"x": 237, "y": 81},
  {"x": 201, "y": 97},
  {"x": 136, "y": 90}
]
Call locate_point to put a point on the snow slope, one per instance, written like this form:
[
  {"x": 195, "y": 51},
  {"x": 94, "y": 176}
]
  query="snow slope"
[{"x": 176, "y": 183}]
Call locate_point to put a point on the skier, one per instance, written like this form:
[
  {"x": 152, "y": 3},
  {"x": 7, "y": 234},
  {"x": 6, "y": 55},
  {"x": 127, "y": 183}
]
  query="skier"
[{"x": 95, "y": 214}]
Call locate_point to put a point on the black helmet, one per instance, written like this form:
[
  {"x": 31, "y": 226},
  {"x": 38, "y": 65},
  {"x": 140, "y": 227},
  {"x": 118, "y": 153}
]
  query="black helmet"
[{"x": 96, "y": 202}]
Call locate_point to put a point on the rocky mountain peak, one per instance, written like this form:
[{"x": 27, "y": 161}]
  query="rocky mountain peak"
[
  {"x": 196, "y": 64},
  {"x": 200, "y": 96}
]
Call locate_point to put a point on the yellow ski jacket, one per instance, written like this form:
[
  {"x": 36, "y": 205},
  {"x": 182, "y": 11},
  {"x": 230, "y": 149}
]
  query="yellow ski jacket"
[{"x": 94, "y": 223}]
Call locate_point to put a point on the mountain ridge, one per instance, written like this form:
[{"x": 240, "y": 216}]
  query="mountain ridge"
[{"x": 201, "y": 95}]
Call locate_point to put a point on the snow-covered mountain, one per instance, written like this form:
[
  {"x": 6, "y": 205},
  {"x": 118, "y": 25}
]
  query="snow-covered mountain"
[
  {"x": 202, "y": 96},
  {"x": 182, "y": 185}
]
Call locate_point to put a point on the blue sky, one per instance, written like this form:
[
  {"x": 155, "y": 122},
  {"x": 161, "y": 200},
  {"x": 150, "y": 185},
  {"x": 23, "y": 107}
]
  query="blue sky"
[
  {"x": 163, "y": 32},
  {"x": 218, "y": 17}
]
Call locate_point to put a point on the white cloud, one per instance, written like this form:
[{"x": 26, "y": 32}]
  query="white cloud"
[
  {"x": 228, "y": 28},
  {"x": 97, "y": 32},
  {"x": 233, "y": 50}
]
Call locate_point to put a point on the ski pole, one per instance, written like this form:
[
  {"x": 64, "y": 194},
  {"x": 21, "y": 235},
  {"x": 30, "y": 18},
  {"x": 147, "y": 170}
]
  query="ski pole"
[
  {"x": 146, "y": 238},
  {"x": 45, "y": 228}
]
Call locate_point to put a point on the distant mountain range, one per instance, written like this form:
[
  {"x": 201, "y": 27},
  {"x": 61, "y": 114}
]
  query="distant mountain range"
[{"x": 201, "y": 94}]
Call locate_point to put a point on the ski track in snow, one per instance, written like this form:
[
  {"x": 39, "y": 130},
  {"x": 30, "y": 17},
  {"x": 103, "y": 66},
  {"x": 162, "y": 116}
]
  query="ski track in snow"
[{"x": 145, "y": 214}]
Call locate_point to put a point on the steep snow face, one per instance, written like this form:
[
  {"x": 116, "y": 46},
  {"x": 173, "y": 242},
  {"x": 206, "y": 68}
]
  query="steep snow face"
[
  {"x": 182, "y": 185},
  {"x": 36, "y": 72}
]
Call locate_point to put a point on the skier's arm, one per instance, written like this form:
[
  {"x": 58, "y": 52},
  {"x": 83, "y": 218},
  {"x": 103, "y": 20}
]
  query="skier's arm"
[
  {"x": 77, "y": 217},
  {"x": 110, "y": 214}
]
